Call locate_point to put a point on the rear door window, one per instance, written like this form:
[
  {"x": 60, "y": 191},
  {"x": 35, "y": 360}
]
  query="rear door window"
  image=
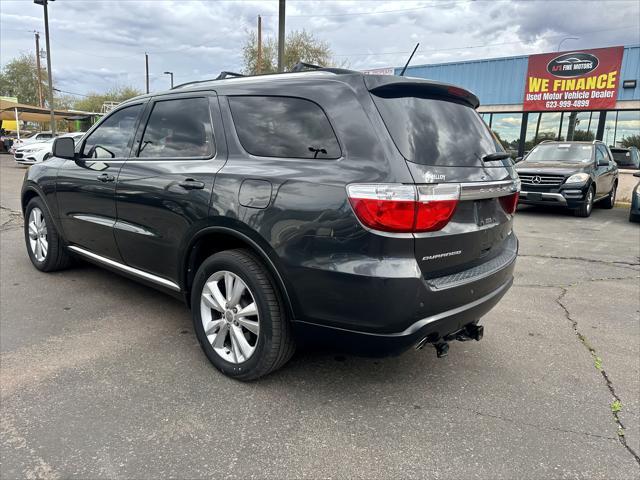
[
  {"x": 436, "y": 132},
  {"x": 283, "y": 127},
  {"x": 179, "y": 128}
]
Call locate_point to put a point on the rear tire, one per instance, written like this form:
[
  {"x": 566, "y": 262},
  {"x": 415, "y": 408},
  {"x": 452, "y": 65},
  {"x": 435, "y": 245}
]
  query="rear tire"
[
  {"x": 45, "y": 246},
  {"x": 610, "y": 201},
  {"x": 241, "y": 347},
  {"x": 585, "y": 209}
]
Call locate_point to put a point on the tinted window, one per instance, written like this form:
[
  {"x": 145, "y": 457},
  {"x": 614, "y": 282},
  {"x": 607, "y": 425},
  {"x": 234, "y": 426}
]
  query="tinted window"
[
  {"x": 283, "y": 127},
  {"x": 178, "y": 128},
  {"x": 436, "y": 132},
  {"x": 44, "y": 136},
  {"x": 113, "y": 137},
  {"x": 622, "y": 156},
  {"x": 601, "y": 153}
]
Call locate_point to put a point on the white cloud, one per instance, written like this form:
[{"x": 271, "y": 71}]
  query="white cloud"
[{"x": 98, "y": 44}]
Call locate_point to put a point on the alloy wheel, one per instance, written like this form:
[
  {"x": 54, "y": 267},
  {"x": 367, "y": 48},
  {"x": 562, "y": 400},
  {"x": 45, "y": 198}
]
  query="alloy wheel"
[
  {"x": 229, "y": 316},
  {"x": 590, "y": 200},
  {"x": 38, "y": 241}
]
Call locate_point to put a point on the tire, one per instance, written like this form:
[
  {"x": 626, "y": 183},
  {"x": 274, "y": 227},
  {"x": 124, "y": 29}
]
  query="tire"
[
  {"x": 610, "y": 199},
  {"x": 585, "y": 209},
  {"x": 270, "y": 344},
  {"x": 45, "y": 246}
]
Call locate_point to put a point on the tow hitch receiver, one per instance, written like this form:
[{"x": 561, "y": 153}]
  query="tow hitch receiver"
[{"x": 470, "y": 332}]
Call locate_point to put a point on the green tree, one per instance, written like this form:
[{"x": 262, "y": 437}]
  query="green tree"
[
  {"x": 300, "y": 46},
  {"x": 631, "y": 141},
  {"x": 19, "y": 78},
  {"x": 93, "y": 101}
]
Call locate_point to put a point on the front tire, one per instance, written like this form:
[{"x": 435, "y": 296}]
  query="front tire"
[
  {"x": 45, "y": 246},
  {"x": 238, "y": 316},
  {"x": 585, "y": 209},
  {"x": 610, "y": 201}
]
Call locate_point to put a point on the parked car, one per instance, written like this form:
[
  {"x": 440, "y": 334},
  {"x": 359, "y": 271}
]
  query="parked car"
[
  {"x": 38, "y": 152},
  {"x": 327, "y": 204},
  {"x": 574, "y": 175},
  {"x": 37, "y": 137},
  {"x": 628, "y": 158},
  {"x": 634, "y": 212}
]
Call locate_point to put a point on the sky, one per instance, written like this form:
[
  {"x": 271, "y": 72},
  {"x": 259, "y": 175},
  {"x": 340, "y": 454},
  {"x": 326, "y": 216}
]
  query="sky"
[{"x": 100, "y": 44}]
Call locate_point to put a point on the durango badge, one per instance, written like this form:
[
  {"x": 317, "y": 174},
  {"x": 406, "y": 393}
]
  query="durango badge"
[{"x": 442, "y": 255}]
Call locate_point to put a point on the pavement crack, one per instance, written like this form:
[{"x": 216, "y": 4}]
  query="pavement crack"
[
  {"x": 598, "y": 365},
  {"x": 585, "y": 259},
  {"x": 540, "y": 427}
]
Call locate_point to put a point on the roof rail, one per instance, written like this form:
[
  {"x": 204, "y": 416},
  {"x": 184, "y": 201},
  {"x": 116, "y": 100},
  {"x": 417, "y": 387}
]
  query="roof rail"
[
  {"x": 222, "y": 76},
  {"x": 301, "y": 66}
]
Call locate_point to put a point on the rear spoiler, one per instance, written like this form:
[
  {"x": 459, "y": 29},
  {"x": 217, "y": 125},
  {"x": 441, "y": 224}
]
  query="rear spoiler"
[{"x": 390, "y": 85}]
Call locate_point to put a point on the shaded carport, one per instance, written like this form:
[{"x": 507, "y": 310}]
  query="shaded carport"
[{"x": 30, "y": 113}]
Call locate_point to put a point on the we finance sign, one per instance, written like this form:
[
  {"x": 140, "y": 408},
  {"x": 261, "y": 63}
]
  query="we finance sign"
[{"x": 581, "y": 80}]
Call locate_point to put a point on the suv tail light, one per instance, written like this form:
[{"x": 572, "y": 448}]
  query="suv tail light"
[
  {"x": 510, "y": 202},
  {"x": 404, "y": 208}
]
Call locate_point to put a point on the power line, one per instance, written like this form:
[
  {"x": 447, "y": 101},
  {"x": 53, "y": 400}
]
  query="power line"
[
  {"x": 70, "y": 93},
  {"x": 480, "y": 45},
  {"x": 349, "y": 14}
]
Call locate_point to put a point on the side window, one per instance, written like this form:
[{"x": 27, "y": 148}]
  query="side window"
[
  {"x": 44, "y": 136},
  {"x": 178, "y": 128},
  {"x": 113, "y": 137},
  {"x": 600, "y": 154},
  {"x": 283, "y": 127}
]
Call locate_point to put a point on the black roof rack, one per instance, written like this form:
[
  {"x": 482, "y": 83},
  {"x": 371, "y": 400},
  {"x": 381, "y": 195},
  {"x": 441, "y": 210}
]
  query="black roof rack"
[
  {"x": 222, "y": 76},
  {"x": 225, "y": 74},
  {"x": 301, "y": 66},
  {"x": 298, "y": 67}
]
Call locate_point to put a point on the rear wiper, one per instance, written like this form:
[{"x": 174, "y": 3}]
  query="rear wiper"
[{"x": 496, "y": 156}]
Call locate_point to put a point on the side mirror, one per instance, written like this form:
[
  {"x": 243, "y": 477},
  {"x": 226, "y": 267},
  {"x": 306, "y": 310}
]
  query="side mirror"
[
  {"x": 603, "y": 162},
  {"x": 518, "y": 159},
  {"x": 637, "y": 174},
  {"x": 64, "y": 147}
]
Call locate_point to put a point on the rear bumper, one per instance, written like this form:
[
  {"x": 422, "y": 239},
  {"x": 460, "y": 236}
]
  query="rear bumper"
[{"x": 432, "y": 328}]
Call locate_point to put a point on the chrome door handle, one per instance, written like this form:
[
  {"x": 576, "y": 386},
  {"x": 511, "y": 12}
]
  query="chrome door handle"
[
  {"x": 105, "y": 177},
  {"x": 191, "y": 184}
]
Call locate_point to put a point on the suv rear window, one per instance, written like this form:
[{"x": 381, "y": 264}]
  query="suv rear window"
[
  {"x": 283, "y": 127},
  {"x": 435, "y": 132}
]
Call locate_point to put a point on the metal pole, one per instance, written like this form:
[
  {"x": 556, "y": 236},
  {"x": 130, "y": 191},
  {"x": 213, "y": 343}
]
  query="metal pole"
[
  {"x": 39, "y": 71},
  {"x": 46, "y": 36},
  {"x": 146, "y": 70},
  {"x": 17, "y": 122},
  {"x": 259, "y": 60},
  {"x": 171, "y": 79},
  {"x": 281, "y": 17}
]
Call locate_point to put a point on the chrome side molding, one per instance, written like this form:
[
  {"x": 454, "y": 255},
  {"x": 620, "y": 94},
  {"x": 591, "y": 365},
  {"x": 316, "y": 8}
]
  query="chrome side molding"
[{"x": 126, "y": 268}]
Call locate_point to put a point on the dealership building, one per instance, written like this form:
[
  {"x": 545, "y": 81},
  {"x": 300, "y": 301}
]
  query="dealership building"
[{"x": 577, "y": 95}]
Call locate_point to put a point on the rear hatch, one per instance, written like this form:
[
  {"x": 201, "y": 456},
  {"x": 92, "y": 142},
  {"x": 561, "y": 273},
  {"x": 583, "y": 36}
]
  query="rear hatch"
[{"x": 444, "y": 141}]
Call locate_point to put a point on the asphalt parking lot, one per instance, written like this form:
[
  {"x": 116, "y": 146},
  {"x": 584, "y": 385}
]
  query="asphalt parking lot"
[{"x": 103, "y": 378}]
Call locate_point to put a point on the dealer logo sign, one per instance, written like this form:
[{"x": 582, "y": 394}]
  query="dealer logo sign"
[{"x": 572, "y": 64}]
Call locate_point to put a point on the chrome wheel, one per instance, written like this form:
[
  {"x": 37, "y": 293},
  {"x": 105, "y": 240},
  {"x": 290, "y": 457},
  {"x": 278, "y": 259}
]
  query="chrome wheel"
[
  {"x": 229, "y": 316},
  {"x": 589, "y": 200},
  {"x": 38, "y": 234}
]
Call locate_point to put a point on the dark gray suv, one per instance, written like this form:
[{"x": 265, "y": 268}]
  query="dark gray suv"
[{"x": 371, "y": 212}]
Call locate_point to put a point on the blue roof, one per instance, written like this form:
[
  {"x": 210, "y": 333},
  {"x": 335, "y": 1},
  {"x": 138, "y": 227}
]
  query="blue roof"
[{"x": 501, "y": 81}]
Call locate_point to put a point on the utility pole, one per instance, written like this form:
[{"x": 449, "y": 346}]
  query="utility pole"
[
  {"x": 281, "y": 15},
  {"x": 146, "y": 69},
  {"x": 39, "y": 71},
  {"x": 44, "y": 3},
  {"x": 259, "y": 61}
]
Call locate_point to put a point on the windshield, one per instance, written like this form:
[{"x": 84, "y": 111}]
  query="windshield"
[
  {"x": 561, "y": 152},
  {"x": 436, "y": 132}
]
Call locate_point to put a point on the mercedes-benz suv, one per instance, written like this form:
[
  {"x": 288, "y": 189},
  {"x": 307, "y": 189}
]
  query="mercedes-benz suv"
[
  {"x": 373, "y": 212},
  {"x": 573, "y": 175}
]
